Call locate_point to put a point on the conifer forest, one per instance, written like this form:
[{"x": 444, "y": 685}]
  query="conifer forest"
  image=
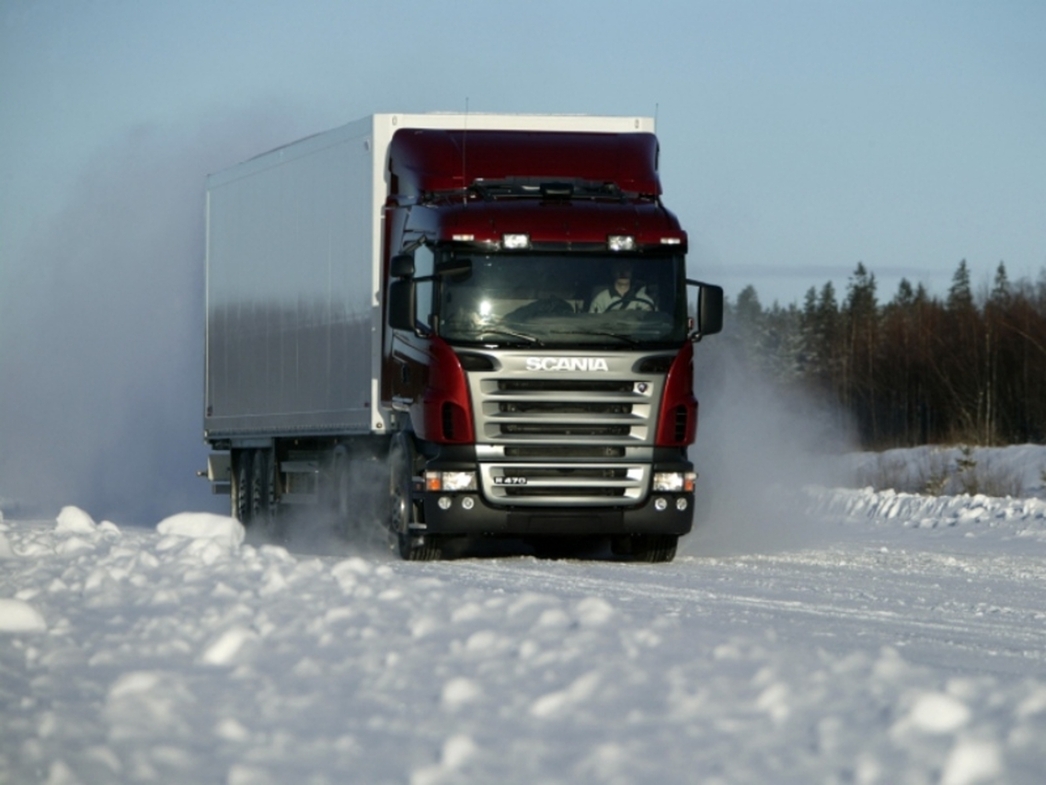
[{"x": 918, "y": 369}]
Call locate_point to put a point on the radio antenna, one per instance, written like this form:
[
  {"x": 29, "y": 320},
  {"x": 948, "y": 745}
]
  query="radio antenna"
[{"x": 464, "y": 148}]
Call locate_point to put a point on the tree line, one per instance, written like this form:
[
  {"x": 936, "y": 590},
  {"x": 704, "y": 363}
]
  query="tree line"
[{"x": 917, "y": 369}]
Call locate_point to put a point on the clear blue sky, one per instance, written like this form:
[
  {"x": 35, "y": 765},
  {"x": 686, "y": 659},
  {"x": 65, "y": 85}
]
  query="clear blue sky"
[{"x": 798, "y": 137}]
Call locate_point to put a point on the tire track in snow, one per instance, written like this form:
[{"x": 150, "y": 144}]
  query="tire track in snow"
[{"x": 1007, "y": 639}]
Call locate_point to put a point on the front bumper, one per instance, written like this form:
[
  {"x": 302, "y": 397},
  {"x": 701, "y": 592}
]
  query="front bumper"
[{"x": 469, "y": 513}]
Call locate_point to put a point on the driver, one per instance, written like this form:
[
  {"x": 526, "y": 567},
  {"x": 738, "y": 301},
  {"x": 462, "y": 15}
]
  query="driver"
[{"x": 623, "y": 293}]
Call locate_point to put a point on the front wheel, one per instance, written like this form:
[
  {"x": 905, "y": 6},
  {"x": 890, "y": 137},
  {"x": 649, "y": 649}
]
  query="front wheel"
[
  {"x": 412, "y": 548},
  {"x": 655, "y": 548},
  {"x": 411, "y": 544}
]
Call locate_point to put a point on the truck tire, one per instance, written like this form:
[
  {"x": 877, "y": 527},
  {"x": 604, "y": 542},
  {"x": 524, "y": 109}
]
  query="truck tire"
[
  {"x": 264, "y": 494},
  {"x": 402, "y": 509},
  {"x": 240, "y": 485},
  {"x": 341, "y": 492},
  {"x": 427, "y": 548},
  {"x": 655, "y": 548}
]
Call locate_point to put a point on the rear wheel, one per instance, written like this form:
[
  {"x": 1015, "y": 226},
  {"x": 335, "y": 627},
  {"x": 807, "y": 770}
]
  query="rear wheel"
[
  {"x": 342, "y": 493},
  {"x": 264, "y": 494},
  {"x": 240, "y": 487}
]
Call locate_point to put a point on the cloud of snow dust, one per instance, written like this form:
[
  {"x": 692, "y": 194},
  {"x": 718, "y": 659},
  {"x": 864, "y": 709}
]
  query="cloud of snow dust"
[
  {"x": 101, "y": 346},
  {"x": 323, "y": 530},
  {"x": 757, "y": 446}
]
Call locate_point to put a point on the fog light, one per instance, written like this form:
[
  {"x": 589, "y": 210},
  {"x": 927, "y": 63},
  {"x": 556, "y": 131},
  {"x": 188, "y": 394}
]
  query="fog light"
[
  {"x": 681, "y": 503},
  {"x": 660, "y": 504},
  {"x": 444, "y": 502},
  {"x": 468, "y": 503}
]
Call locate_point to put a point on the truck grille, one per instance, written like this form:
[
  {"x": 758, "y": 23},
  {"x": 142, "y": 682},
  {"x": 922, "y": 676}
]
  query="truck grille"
[
  {"x": 578, "y": 409},
  {"x": 569, "y": 434},
  {"x": 575, "y": 484}
]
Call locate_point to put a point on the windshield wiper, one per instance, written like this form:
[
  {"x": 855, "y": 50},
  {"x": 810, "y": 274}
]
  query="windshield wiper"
[
  {"x": 621, "y": 337},
  {"x": 511, "y": 333}
]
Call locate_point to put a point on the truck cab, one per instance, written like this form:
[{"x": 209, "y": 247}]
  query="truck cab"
[{"x": 538, "y": 346}]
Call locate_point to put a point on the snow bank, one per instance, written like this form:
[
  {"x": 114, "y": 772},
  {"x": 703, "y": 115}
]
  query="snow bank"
[
  {"x": 1016, "y": 470},
  {"x": 204, "y": 526},
  {"x": 73, "y": 520},
  {"x": 1019, "y": 517},
  {"x": 5, "y": 546},
  {"x": 17, "y": 616}
]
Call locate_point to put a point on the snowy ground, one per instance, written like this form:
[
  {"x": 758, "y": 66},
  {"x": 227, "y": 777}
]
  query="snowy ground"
[{"x": 899, "y": 639}]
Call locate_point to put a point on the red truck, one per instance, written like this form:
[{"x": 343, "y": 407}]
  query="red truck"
[{"x": 493, "y": 306}]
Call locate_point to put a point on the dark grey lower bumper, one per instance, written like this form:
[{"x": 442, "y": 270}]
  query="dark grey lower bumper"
[{"x": 468, "y": 513}]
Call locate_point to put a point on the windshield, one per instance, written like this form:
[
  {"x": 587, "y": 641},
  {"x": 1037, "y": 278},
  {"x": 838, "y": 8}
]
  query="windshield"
[{"x": 554, "y": 299}]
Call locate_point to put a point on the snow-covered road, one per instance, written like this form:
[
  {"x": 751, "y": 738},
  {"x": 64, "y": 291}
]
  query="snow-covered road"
[{"x": 904, "y": 640}]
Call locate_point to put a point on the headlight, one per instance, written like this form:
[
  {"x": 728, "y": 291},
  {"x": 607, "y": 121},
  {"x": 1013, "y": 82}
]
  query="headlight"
[
  {"x": 674, "y": 482},
  {"x": 450, "y": 481}
]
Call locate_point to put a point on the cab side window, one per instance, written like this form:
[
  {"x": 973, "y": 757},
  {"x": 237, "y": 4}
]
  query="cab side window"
[{"x": 424, "y": 267}]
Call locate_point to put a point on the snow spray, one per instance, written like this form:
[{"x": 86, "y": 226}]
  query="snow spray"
[{"x": 758, "y": 444}]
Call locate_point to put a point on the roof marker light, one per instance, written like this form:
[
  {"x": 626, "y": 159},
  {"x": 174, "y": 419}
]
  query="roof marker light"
[
  {"x": 516, "y": 242},
  {"x": 621, "y": 242},
  {"x": 463, "y": 238},
  {"x": 671, "y": 241}
]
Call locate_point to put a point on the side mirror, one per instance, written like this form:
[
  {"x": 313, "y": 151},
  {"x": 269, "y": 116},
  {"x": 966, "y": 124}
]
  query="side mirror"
[
  {"x": 402, "y": 266},
  {"x": 709, "y": 309},
  {"x": 401, "y": 303}
]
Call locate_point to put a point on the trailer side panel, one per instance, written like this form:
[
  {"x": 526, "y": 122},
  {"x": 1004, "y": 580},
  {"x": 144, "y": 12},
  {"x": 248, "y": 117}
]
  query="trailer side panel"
[{"x": 290, "y": 292}]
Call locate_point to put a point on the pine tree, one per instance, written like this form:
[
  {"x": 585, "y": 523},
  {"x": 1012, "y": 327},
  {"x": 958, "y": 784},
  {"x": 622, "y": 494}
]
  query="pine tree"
[
  {"x": 960, "y": 295},
  {"x": 862, "y": 327},
  {"x": 1001, "y": 286}
]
